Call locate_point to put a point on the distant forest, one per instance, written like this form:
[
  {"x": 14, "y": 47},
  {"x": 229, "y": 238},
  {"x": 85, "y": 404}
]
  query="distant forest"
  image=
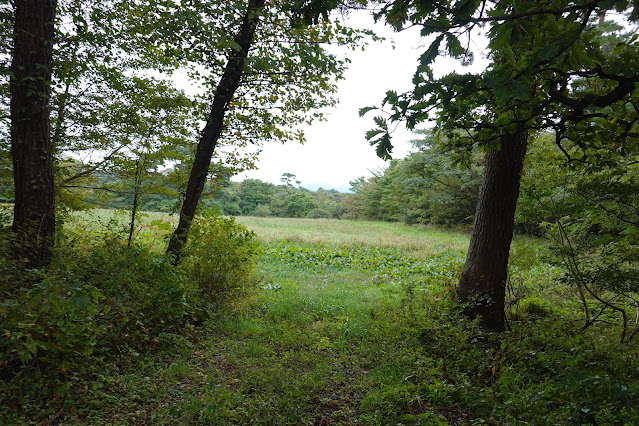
[{"x": 428, "y": 187}]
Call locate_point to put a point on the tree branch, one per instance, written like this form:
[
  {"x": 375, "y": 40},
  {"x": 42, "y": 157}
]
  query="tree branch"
[
  {"x": 101, "y": 188},
  {"x": 625, "y": 86},
  {"x": 93, "y": 168}
]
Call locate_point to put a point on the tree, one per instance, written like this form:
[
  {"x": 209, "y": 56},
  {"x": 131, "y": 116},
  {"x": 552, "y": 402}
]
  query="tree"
[
  {"x": 538, "y": 52},
  {"x": 111, "y": 95},
  {"x": 208, "y": 140},
  {"x": 299, "y": 204},
  {"x": 34, "y": 217},
  {"x": 424, "y": 187},
  {"x": 102, "y": 97},
  {"x": 253, "y": 194},
  {"x": 287, "y": 179},
  {"x": 591, "y": 217},
  {"x": 258, "y": 95}
]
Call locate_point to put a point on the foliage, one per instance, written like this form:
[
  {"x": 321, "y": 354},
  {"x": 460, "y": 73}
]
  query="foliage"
[
  {"x": 102, "y": 301},
  {"x": 107, "y": 294},
  {"x": 591, "y": 217},
  {"x": 346, "y": 332},
  {"x": 390, "y": 264},
  {"x": 220, "y": 257},
  {"x": 552, "y": 66},
  {"x": 253, "y": 197},
  {"x": 114, "y": 105},
  {"x": 425, "y": 187}
]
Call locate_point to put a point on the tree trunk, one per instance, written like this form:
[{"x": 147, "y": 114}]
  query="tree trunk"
[
  {"x": 33, "y": 219},
  {"x": 224, "y": 92},
  {"x": 482, "y": 286},
  {"x": 137, "y": 188}
]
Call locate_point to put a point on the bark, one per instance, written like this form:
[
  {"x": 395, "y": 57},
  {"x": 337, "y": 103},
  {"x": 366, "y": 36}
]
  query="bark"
[
  {"x": 137, "y": 187},
  {"x": 34, "y": 219},
  {"x": 224, "y": 92},
  {"x": 482, "y": 286}
]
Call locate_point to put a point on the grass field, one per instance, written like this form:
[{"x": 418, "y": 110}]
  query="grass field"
[
  {"x": 420, "y": 242},
  {"x": 353, "y": 323}
]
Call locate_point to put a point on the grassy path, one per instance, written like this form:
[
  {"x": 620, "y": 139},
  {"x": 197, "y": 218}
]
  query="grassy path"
[
  {"x": 327, "y": 337},
  {"x": 316, "y": 344},
  {"x": 352, "y": 323}
]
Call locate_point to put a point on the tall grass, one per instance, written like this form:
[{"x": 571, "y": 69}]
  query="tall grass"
[{"x": 418, "y": 241}]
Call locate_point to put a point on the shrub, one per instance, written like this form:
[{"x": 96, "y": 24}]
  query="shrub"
[
  {"x": 536, "y": 307},
  {"x": 219, "y": 257},
  {"x": 263, "y": 210},
  {"x": 319, "y": 213},
  {"x": 105, "y": 297}
]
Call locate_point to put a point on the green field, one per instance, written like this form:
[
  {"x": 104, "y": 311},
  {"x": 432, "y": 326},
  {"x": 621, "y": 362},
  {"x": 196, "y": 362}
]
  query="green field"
[{"x": 353, "y": 323}]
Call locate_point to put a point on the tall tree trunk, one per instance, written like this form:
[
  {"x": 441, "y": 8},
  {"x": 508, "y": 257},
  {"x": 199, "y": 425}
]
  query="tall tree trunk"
[
  {"x": 224, "y": 92},
  {"x": 33, "y": 219},
  {"x": 482, "y": 286}
]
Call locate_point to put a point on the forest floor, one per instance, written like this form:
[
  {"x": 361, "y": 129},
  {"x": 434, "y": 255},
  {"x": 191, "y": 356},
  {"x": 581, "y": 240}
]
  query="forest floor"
[{"x": 353, "y": 323}]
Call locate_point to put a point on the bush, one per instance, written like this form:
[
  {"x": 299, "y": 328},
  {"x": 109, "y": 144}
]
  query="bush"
[
  {"x": 101, "y": 301},
  {"x": 263, "y": 210},
  {"x": 105, "y": 297},
  {"x": 108, "y": 299},
  {"x": 320, "y": 213},
  {"x": 536, "y": 307},
  {"x": 219, "y": 257}
]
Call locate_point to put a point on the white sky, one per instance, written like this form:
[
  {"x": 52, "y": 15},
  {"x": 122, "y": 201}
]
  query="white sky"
[{"x": 336, "y": 151}]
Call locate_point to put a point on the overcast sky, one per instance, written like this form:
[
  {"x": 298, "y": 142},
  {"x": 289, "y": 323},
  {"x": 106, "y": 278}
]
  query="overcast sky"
[{"x": 336, "y": 151}]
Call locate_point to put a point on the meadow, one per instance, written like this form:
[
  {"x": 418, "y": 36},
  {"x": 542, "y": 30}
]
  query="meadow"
[{"x": 351, "y": 322}]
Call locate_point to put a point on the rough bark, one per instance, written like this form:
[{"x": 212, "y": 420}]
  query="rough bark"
[
  {"x": 482, "y": 286},
  {"x": 224, "y": 92},
  {"x": 33, "y": 220}
]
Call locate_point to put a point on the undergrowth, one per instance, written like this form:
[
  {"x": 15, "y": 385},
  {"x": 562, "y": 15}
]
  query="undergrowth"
[
  {"x": 104, "y": 302},
  {"x": 317, "y": 333}
]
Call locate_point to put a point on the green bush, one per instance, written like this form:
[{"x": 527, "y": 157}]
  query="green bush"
[
  {"x": 106, "y": 297},
  {"x": 263, "y": 210},
  {"x": 536, "y": 307},
  {"x": 219, "y": 257}
]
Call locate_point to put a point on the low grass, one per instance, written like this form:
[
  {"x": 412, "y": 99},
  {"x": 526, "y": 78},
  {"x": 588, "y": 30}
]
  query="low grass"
[{"x": 353, "y": 323}]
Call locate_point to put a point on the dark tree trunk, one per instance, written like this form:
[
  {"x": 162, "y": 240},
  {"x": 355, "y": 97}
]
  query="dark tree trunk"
[
  {"x": 33, "y": 219},
  {"x": 224, "y": 92},
  {"x": 137, "y": 188},
  {"x": 482, "y": 286}
]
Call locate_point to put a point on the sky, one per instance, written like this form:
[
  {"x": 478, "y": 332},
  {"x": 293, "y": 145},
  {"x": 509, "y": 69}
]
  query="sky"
[{"x": 336, "y": 151}]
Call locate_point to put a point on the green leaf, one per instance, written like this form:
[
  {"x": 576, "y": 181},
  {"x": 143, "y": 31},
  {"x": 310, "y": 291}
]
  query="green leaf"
[
  {"x": 363, "y": 111},
  {"x": 521, "y": 90},
  {"x": 381, "y": 122},
  {"x": 372, "y": 133},
  {"x": 501, "y": 36},
  {"x": 384, "y": 147},
  {"x": 453, "y": 45},
  {"x": 501, "y": 92},
  {"x": 547, "y": 52},
  {"x": 83, "y": 301},
  {"x": 432, "y": 52},
  {"x": 391, "y": 97}
]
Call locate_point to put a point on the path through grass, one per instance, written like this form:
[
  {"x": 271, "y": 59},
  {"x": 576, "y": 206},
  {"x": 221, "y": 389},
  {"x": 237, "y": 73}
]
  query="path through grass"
[{"x": 352, "y": 323}]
